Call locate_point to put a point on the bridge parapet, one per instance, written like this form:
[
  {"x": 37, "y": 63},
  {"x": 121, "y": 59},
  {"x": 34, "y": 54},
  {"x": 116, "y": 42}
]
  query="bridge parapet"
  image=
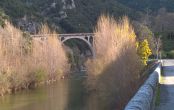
[
  {"x": 77, "y": 34},
  {"x": 145, "y": 97},
  {"x": 65, "y": 35}
]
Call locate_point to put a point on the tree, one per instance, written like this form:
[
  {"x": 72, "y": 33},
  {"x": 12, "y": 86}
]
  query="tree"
[
  {"x": 3, "y": 17},
  {"x": 143, "y": 51},
  {"x": 144, "y": 32},
  {"x": 158, "y": 46}
]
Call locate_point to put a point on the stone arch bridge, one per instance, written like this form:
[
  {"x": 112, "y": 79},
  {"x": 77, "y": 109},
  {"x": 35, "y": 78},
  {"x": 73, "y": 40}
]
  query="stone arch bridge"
[{"x": 88, "y": 38}]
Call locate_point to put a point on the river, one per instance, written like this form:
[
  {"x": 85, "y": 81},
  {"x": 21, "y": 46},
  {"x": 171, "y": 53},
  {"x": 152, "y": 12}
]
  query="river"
[{"x": 68, "y": 94}]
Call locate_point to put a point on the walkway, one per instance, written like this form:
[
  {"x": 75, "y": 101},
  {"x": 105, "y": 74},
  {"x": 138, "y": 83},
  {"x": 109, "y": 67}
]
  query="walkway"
[{"x": 167, "y": 86}]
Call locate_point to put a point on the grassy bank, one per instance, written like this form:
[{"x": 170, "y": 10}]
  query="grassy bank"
[
  {"x": 26, "y": 62},
  {"x": 157, "y": 101}
]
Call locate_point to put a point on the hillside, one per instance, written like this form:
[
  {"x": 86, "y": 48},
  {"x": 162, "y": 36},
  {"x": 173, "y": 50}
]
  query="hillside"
[
  {"x": 77, "y": 15},
  {"x": 153, "y": 5}
]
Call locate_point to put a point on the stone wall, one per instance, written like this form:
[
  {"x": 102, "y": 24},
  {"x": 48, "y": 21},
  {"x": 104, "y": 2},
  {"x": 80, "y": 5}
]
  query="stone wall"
[{"x": 144, "y": 98}]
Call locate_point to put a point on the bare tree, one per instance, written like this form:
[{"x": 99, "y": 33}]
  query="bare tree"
[{"x": 158, "y": 45}]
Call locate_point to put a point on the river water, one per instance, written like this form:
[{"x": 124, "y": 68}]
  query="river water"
[{"x": 68, "y": 94}]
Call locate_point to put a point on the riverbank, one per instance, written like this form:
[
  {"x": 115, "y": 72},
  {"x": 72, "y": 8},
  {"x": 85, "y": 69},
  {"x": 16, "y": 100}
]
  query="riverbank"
[{"x": 26, "y": 62}]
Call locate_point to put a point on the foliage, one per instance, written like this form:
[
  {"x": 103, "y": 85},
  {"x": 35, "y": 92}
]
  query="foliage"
[
  {"x": 168, "y": 45},
  {"x": 163, "y": 54},
  {"x": 116, "y": 66},
  {"x": 143, "y": 51},
  {"x": 170, "y": 54},
  {"x": 3, "y": 17},
  {"x": 26, "y": 61},
  {"x": 83, "y": 17},
  {"x": 40, "y": 75},
  {"x": 153, "y": 5},
  {"x": 144, "y": 32},
  {"x": 81, "y": 21}
]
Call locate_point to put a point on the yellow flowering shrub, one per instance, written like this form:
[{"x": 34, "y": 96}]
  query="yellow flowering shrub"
[{"x": 143, "y": 50}]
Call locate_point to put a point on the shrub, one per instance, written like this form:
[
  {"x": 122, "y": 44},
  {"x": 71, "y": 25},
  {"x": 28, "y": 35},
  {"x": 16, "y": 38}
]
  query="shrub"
[
  {"x": 163, "y": 54},
  {"x": 24, "y": 60},
  {"x": 50, "y": 54},
  {"x": 3, "y": 18},
  {"x": 144, "y": 51},
  {"x": 40, "y": 75},
  {"x": 170, "y": 54},
  {"x": 114, "y": 71},
  {"x": 4, "y": 84}
]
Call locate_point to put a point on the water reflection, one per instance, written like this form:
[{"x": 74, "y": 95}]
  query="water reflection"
[{"x": 64, "y": 95}]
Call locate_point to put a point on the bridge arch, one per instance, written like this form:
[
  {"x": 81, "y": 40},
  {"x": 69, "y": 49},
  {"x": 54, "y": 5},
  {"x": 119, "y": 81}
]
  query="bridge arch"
[{"x": 87, "y": 41}]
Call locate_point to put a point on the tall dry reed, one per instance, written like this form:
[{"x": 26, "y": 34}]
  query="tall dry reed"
[
  {"x": 115, "y": 70},
  {"x": 50, "y": 54},
  {"x": 25, "y": 62}
]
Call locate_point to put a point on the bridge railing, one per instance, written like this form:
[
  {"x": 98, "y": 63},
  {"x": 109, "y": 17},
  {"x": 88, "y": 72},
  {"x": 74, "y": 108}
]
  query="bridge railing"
[
  {"x": 144, "y": 98},
  {"x": 63, "y": 35}
]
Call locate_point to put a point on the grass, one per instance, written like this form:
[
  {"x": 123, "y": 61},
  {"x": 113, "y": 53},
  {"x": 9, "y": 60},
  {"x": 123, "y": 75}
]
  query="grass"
[
  {"x": 161, "y": 77},
  {"x": 157, "y": 101}
]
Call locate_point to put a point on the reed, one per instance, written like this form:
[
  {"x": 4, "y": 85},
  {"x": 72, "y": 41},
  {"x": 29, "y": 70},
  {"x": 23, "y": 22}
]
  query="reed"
[
  {"x": 26, "y": 62},
  {"x": 114, "y": 72}
]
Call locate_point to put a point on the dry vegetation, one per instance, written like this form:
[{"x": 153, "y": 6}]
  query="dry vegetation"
[
  {"x": 114, "y": 72},
  {"x": 25, "y": 62}
]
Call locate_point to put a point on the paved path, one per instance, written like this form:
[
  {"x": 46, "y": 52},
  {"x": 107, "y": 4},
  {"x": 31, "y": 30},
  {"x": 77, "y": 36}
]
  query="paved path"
[{"x": 167, "y": 86}]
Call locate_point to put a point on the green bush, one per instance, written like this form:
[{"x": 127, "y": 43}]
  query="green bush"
[
  {"x": 3, "y": 17},
  {"x": 164, "y": 54},
  {"x": 170, "y": 54},
  {"x": 40, "y": 75},
  {"x": 36, "y": 77}
]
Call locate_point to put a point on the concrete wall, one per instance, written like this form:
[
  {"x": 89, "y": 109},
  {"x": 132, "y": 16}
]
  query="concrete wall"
[
  {"x": 167, "y": 62},
  {"x": 144, "y": 98}
]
